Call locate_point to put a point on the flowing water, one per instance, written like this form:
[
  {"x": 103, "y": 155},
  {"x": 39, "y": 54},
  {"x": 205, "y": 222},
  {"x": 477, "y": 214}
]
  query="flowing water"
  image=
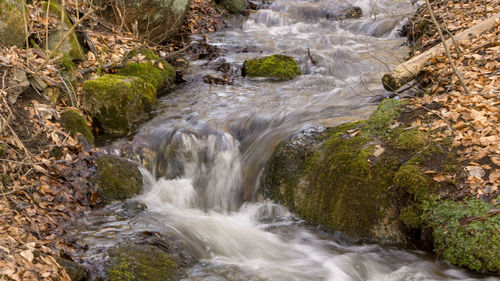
[{"x": 211, "y": 142}]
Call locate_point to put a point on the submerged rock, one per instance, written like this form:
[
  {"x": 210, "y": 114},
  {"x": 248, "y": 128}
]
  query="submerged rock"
[
  {"x": 117, "y": 178},
  {"x": 118, "y": 103},
  {"x": 154, "y": 20},
  {"x": 277, "y": 67},
  {"x": 74, "y": 122},
  {"x": 140, "y": 262},
  {"x": 12, "y": 31}
]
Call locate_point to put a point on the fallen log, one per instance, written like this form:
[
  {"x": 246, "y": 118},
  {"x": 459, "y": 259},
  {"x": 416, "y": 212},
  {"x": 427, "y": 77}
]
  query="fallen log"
[{"x": 408, "y": 70}]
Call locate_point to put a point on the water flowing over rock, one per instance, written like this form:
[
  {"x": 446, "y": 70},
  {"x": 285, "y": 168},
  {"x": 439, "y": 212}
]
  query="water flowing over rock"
[{"x": 153, "y": 20}]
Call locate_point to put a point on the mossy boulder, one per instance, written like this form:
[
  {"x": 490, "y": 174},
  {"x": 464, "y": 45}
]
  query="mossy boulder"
[
  {"x": 74, "y": 122},
  {"x": 379, "y": 173},
  {"x": 466, "y": 232},
  {"x": 159, "y": 76},
  {"x": 277, "y": 67},
  {"x": 118, "y": 103},
  {"x": 153, "y": 20},
  {"x": 234, "y": 6},
  {"x": 117, "y": 178},
  {"x": 140, "y": 263},
  {"x": 12, "y": 31},
  {"x": 70, "y": 47}
]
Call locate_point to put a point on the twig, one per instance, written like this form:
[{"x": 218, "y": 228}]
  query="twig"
[
  {"x": 447, "y": 49},
  {"x": 47, "y": 27},
  {"x": 25, "y": 25},
  {"x": 49, "y": 56}
]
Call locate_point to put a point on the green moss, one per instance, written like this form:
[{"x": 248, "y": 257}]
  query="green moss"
[
  {"x": 149, "y": 73},
  {"x": 234, "y": 6},
  {"x": 381, "y": 119},
  {"x": 410, "y": 140},
  {"x": 118, "y": 102},
  {"x": 117, "y": 178},
  {"x": 411, "y": 215},
  {"x": 74, "y": 123},
  {"x": 278, "y": 67},
  {"x": 140, "y": 262},
  {"x": 12, "y": 31},
  {"x": 465, "y": 233},
  {"x": 412, "y": 178}
]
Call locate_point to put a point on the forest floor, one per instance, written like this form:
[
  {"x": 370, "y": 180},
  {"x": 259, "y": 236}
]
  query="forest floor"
[
  {"x": 469, "y": 120},
  {"x": 44, "y": 170}
]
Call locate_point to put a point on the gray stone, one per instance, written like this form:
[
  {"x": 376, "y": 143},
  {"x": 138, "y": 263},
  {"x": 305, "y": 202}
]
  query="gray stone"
[
  {"x": 12, "y": 30},
  {"x": 18, "y": 83}
]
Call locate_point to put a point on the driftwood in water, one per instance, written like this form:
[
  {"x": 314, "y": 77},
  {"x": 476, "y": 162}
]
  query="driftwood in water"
[{"x": 408, "y": 70}]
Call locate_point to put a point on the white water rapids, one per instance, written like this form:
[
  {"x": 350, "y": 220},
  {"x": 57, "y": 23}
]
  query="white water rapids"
[{"x": 212, "y": 142}]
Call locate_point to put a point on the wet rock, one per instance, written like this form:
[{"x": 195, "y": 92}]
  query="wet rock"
[
  {"x": 16, "y": 85},
  {"x": 117, "y": 178},
  {"x": 12, "y": 31},
  {"x": 278, "y": 67},
  {"x": 118, "y": 103},
  {"x": 140, "y": 262},
  {"x": 74, "y": 122},
  {"x": 160, "y": 76},
  {"x": 233, "y": 6},
  {"x": 70, "y": 47},
  {"x": 154, "y": 20},
  {"x": 76, "y": 271},
  {"x": 219, "y": 80}
]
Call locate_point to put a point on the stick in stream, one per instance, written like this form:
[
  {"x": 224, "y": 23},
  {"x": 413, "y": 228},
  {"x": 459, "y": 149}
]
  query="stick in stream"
[{"x": 407, "y": 71}]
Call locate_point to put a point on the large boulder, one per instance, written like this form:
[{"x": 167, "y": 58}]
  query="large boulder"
[
  {"x": 153, "y": 20},
  {"x": 278, "y": 67},
  {"x": 117, "y": 178},
  {"x": 118, "y": 103},
  {"x": 12, "y": 30},
  {"x": 70, "y": 48},
  {"x": 376, "y": 181}
]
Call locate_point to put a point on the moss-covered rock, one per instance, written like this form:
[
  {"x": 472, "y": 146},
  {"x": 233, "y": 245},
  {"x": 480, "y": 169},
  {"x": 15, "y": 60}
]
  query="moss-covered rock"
[
  {"x": 74, "y": 122},
  {"x": 12, "y": 31},
  {"x": 118, "y": 103},
  {"x": 234, "y": 6},
  {"x": 277, "y": 67},
  {"x": 466, "y": 233},
  {"x": 140, "y": 263},
  {"x": 117, "y": 178},
  {"x": 340, "y": 178},
  {"x": 70, "y": 46}
]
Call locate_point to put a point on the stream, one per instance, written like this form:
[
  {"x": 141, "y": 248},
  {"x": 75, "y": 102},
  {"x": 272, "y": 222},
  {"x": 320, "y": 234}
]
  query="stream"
[{"x": 212, "y": 141}]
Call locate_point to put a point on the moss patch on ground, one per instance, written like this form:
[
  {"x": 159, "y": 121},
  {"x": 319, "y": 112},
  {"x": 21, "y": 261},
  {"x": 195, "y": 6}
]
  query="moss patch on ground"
[
  {"x": 118, "y": 103},
  {"x": 466, "y": 232},
  {"x": 74, "y": 122},
  {"x": 277, "y": 67},
  {"x": 140, "y": 262},
  {"x": 117, "y": 179}
]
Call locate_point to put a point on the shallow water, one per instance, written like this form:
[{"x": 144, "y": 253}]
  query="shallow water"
[{"x": 212, "y": 141}]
